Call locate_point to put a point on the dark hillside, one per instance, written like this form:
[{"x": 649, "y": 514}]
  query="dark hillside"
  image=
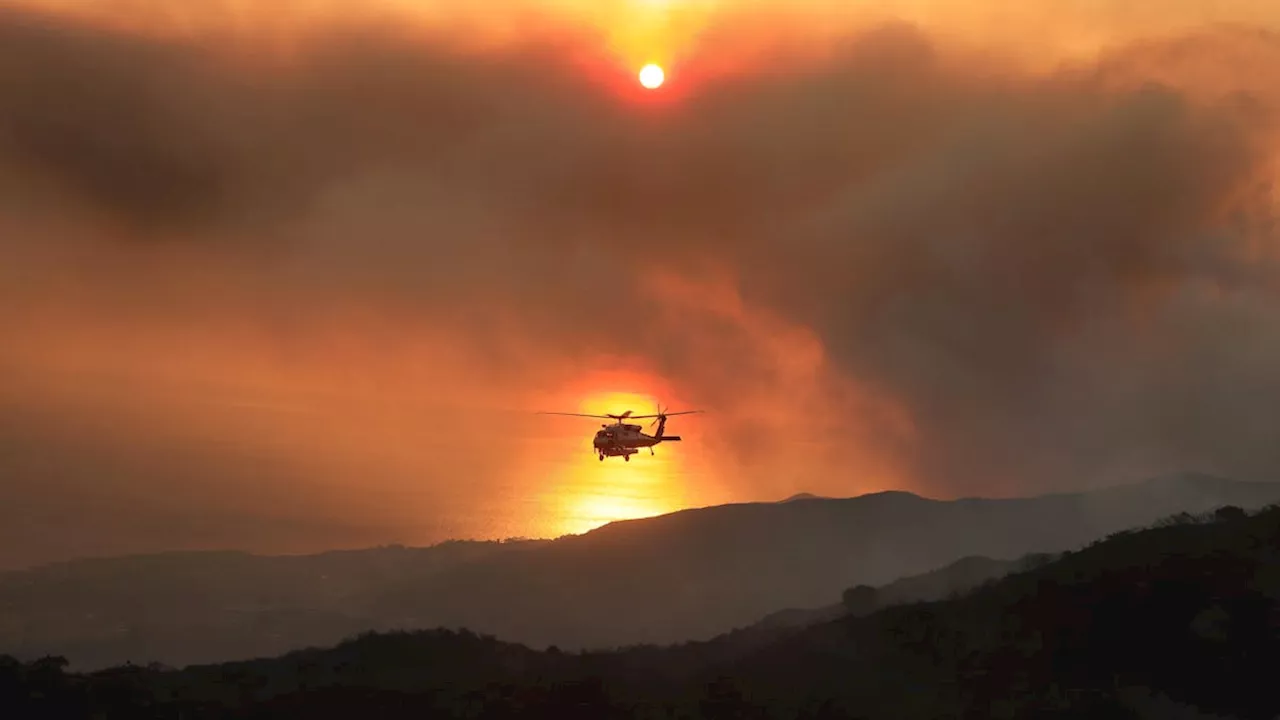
[
  {"x": 1181, "y": 617},
  {"x": 1189, "y": 611},
  {"x": 689, "y": 575},
  {"x": 697, "y": 573}
]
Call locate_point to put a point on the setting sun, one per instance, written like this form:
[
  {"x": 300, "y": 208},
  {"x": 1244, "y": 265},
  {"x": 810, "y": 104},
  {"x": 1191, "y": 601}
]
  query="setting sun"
[{"x": 652, "y": 77}]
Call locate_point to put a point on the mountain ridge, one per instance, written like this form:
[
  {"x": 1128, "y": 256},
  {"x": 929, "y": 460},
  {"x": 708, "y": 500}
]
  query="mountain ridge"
[
  {"x": 1204, "y": 478},
  {"x": 687, "y": 575},
  {"x": 1173, "y": 620}
]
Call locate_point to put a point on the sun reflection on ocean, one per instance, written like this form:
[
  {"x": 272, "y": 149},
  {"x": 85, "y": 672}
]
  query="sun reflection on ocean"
[{"x": 596, "y": 493}]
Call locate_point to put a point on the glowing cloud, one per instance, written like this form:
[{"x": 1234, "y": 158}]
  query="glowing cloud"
[{"x": 296, "y": 275}]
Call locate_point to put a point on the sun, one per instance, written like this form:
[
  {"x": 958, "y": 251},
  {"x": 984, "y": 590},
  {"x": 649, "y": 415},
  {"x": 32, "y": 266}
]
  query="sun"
[{"x": 651, "y": 76}]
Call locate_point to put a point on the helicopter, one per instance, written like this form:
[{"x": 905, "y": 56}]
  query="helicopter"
[{"x": 622, "y": 439}]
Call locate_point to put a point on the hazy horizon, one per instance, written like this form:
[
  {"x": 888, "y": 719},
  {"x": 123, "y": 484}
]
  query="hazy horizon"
[
  {"x": 296, "y": 276},
  {"x": 589, "y": 526}
]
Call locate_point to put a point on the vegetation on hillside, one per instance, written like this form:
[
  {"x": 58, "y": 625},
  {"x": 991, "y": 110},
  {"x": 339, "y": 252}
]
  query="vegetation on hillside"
[{"x": 1187, "y": 612}]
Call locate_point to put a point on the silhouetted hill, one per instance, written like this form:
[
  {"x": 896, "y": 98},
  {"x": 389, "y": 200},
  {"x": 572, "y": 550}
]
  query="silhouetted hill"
[
  {"x": 688, "y": 575},
  {"x": 697, "y": 573},
  {"x": 203, "y": 606},
  {"x": 1188, "y": 612},
  {"x": 803, "y": 496},
  {"x": 1180, "y": 620},
  {"x": 959, "y": 577}
]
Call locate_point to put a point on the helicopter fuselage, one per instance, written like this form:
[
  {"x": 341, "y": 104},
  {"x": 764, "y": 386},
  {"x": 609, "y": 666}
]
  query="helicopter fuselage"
[{"x": 624, "y": 440}]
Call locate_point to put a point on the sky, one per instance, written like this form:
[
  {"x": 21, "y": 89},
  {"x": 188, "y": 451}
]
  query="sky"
[{"x": 294, "y": 276}]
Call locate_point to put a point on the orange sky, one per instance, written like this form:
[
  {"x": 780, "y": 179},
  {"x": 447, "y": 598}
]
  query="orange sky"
[{"x": 297, "y": 275}]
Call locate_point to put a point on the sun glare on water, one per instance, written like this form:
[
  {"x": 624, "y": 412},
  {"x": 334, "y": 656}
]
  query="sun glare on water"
[{"x": 652, "y": 76}]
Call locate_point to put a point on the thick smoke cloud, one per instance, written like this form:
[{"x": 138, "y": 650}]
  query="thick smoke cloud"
[{"x": 344, "y": 250}]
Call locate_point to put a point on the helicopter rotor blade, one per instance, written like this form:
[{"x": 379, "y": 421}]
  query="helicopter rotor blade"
[
  {"x": 667, "y": 414},
  {"x": 623, "y": 416}
]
